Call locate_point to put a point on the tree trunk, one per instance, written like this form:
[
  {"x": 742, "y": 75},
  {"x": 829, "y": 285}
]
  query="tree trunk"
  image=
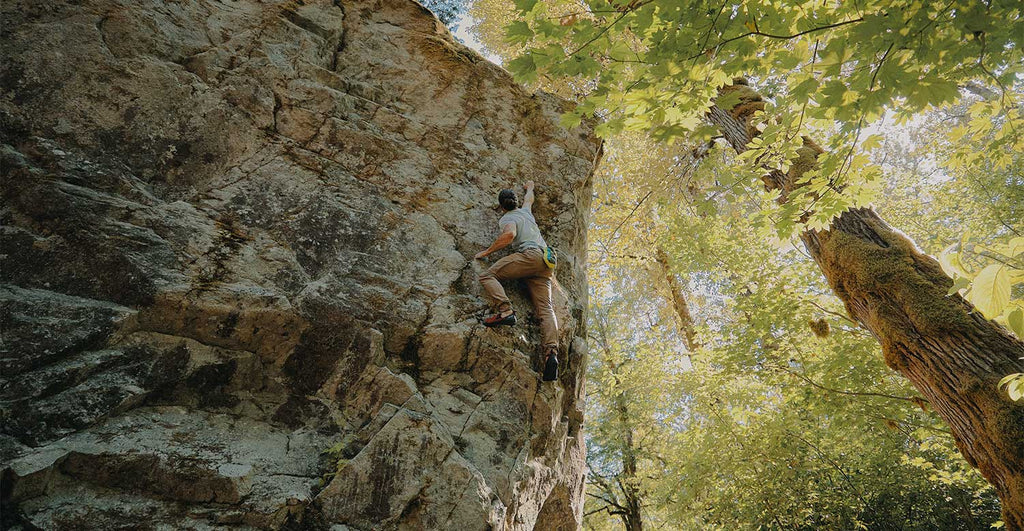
[
  {"x": 950, "y": 353},
  {"x": 629, "y": 510},
  {"x": 631, "y": 516},
  {"x": 678, "y": 301}
]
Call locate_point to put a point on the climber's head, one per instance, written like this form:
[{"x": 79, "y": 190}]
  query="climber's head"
[{"x": 507, "y": 200}]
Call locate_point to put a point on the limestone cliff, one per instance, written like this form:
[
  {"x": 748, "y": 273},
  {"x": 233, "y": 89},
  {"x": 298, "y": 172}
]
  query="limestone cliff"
[{"x": 237, "y": 286}]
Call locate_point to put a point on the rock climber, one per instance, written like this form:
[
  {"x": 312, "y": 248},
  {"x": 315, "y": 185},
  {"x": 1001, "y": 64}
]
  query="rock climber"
[{"x": 533, "y": 261}]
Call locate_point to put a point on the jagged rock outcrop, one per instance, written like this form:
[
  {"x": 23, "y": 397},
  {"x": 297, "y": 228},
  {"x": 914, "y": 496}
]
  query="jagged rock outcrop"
[{"x": 237, "y": 286}]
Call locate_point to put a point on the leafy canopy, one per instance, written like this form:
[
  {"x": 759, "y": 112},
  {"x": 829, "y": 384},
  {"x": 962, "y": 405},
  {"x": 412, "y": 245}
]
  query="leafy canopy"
[
  {"x": 660, "y": 62},
  {"x": 827, "y": 68}
]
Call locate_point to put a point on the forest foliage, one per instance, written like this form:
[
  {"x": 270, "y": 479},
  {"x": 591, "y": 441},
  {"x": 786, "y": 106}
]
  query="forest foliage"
[{"x": 779, "y": 412}]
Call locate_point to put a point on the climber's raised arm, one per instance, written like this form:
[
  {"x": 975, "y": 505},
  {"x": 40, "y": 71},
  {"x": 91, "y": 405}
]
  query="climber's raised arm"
[
  {"x": 528, "y": 198},
  {"x": 508, "y": 234}
]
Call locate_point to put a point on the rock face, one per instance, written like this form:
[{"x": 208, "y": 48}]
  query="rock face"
[{"x": 237, "y": 286}]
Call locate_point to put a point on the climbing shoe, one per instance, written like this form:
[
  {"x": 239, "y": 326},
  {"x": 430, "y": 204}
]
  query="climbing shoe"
[
  {"x": 498, "y": 320},
  {"x": 551, "y": 367}
]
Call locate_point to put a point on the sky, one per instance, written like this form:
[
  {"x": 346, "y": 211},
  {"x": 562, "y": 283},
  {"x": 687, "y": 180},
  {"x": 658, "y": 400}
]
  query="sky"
[{"x": 462, "y": 32}]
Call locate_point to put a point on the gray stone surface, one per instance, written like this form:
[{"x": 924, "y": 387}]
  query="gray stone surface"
[{"x": 236, "y": 285}]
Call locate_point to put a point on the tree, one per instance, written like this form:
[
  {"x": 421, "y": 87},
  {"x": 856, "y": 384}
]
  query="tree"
[
  {"x": 773, "y": 426},
  {"x": 815, "y": 422},
  {"x": 617, "y": 488},
  {"x": 662, "y": 66},
  {"x": 659, "y": 65},
  {"x": 982, "y": 246},
  {"x": 950, "y": 352},
  {"x": 627, "y": 400}
]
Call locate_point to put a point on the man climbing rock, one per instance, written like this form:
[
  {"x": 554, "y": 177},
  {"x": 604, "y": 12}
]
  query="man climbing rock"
[{"x": 533, "y": 262}]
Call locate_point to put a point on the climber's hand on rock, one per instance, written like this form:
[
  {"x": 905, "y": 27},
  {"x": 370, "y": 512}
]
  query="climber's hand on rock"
[
  {"x": 480, "y": 255},
  {"x": 528, "y": 185}
]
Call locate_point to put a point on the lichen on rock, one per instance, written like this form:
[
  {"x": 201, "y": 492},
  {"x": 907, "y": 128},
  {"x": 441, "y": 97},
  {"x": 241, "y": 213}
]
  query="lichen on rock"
[{"x": 237, "y": 235}]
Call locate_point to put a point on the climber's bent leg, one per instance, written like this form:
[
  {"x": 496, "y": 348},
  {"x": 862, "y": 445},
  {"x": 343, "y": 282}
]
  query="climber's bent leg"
[
  {"x": 515, "y": 265},
  {"x": 495, "y": 294}
]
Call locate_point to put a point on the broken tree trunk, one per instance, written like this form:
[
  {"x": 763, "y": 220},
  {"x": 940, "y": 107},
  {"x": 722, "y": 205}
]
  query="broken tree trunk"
[{"x": 950, "y": 353}]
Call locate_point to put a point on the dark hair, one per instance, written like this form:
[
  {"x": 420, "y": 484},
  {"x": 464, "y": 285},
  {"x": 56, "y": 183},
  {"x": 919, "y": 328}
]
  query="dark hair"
[{"x": 507, "y": 200}]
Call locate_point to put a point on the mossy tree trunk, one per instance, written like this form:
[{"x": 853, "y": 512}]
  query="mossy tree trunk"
[
  {"x": 950, "y": 353},
  {"x": 678, "y": 301}
]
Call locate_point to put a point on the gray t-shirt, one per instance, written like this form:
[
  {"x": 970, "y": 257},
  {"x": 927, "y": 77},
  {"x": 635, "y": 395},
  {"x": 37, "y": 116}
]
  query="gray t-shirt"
[{"x": 527, "y": 233}]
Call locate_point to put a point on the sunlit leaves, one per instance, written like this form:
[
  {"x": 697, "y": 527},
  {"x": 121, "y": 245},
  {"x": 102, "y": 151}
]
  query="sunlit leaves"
[
  {"x": 524, "y": 68},
  {"x": 1015, "y": 320},
  {"x": 990, "y": 291},
  {"x": 1013, "y": 385},
  {"x": 989, "y": 288},
  {"x": 657, "y": 64},
  {"x": 518, "y": 32}
]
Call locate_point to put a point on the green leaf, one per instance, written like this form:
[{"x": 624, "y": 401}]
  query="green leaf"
[
  {"x": 958, "y": 284},
  {"x": 570, "y": 120},
  {"x": 518, "y": 32},
  {"x": 1013, "y": 384},
  {"x": 787, "y": 60},
  {"x": 525, "y": 6},
  {"x": 990, "y": 292},
  {"x": 548, "y": 28},
  {"x": 523, "y": 69},
  {"x": 609, "y": 128},
  {"x": 552, "y": 54},
  {"x": 1016, "y": 389},
  {"x": 805, "y": 88},
  {"x": 949, "y": 259},
  {"x": 872, "y": 142},
  {"x": 729, "y": 100},
  {"x": 1016, "y": 246},
  {"x": 1016, "y": 322}
]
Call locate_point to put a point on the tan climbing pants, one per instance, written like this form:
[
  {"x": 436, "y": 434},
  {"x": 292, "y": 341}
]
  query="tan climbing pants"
[{"x": 528, "y": 265}]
